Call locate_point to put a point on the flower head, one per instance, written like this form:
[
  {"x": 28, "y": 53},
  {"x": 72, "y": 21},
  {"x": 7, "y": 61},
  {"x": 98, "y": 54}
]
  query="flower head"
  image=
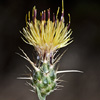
[{"x": 45, "y": 35}]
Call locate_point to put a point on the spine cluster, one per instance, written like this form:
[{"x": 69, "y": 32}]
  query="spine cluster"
[{"x": 44, "y": 80}]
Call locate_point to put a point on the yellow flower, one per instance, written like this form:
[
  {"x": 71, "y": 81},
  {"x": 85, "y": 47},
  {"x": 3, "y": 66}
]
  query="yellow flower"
[{"x": 45, "y": 35}]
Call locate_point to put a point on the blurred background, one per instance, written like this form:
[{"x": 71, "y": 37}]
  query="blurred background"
[{"x": 83, "y": 54}]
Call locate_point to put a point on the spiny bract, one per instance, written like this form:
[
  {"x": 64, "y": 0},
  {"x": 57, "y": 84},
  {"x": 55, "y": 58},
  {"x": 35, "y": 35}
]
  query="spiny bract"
[{"x": 46, "y": 37}]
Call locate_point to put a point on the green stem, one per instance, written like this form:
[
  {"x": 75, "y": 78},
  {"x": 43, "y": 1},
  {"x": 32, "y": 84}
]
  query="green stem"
[
  {"x": 44, "y": 98},
  {"x": 39, "y": 95}
]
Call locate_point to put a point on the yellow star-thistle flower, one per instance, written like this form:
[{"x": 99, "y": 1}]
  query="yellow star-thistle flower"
[{"x": 45, "y": 35}]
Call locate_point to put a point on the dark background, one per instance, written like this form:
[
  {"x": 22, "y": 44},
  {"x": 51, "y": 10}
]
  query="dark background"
[{"x": 83, "y": 54}]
